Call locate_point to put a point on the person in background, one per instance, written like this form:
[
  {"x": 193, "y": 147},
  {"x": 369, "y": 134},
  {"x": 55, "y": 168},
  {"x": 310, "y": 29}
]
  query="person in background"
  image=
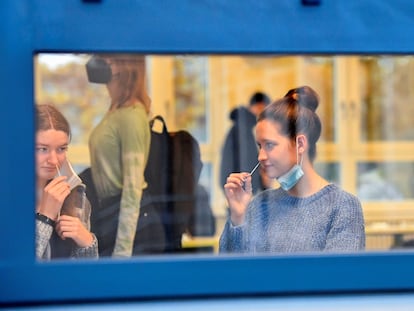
[
  {"x": 119, "y": 147},
  {"x": 58, "y": 234},
  {"x": 239, "y": 152},
  {"x": 306, "y": 214}
]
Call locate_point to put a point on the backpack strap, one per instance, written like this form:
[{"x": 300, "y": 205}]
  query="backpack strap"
[{"x": 161, "y": 119}]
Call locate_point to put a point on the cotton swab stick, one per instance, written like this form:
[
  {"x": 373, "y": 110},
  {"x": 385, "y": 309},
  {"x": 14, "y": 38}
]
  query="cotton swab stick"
[{"x": 257, "y": 165}]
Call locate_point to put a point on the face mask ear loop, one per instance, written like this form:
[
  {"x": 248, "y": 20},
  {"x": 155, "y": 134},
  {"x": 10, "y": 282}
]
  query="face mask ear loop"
[{"x": 297, "y": 154}]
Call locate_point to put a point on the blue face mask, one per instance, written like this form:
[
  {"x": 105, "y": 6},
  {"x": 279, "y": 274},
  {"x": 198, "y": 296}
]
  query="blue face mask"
[{"x": 290, "y": 179}]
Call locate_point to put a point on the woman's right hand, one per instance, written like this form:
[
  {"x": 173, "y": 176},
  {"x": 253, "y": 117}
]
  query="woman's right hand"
[
  {"x": 238, "y": 191},
  {"x": 72, "y": 227},
  {"x": 53, "y": 196}
]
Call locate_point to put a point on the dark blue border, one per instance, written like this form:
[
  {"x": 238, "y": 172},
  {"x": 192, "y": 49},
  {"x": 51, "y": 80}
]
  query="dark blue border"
[{"x": 165, "y": 26}]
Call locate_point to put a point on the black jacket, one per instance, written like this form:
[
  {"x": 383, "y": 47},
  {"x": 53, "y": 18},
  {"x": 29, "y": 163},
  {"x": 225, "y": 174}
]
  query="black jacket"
[{"x": 239, "y": 152}]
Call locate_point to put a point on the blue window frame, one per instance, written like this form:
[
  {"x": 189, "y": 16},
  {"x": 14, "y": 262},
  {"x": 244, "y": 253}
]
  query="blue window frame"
[{"x": 185, "y": 26}]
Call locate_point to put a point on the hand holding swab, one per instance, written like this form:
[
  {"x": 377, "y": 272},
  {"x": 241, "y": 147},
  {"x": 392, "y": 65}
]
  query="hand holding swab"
[{"x": 251, "y": 173}]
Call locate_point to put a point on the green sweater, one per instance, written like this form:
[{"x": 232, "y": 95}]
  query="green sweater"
[{"x": 119, "y": 147}]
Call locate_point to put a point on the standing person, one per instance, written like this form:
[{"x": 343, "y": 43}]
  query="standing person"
[
  {"x": 59, "y": 234},
  {"x": 306, "y": 213},
  {"x": 119, "y": 147},
  {"x": 239, "y": 152}
]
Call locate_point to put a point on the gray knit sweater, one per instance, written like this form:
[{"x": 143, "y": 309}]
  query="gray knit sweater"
[
  {"x": 329, "y": 220},
  {"x": 50, "y": 246},
  {"x": 43, "y": 248}
]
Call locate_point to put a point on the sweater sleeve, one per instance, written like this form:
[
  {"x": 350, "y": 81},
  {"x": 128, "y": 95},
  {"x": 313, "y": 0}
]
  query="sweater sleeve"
[
  {"x": 347, "y": 231},
  {"x": 248, "y": 236},
  {"x": 87, "y": 252},
  {"x": 232, "y": 240},
  {"x": 43, "y": 234},
  {"x": 135, "y": 140},
  {"x": 90, "y": 251}
]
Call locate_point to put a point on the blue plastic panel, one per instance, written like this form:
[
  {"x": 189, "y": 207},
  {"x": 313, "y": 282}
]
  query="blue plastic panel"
[{"x": 163, "y": 26}]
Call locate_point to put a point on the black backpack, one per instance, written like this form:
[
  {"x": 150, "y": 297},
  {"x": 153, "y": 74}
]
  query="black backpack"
[
  {"x": 169, "y": 203},
  {"x": 172, "y": 173}
]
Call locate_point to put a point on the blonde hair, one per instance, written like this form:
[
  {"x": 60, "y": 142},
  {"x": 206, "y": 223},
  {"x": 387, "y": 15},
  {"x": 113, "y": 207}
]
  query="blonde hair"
[{"x": 132, "y": 78}]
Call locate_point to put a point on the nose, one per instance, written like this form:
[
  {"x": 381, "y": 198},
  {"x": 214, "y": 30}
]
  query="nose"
[
  {"x": 53, "y": 158},
  {"x": 262, "y": 156}
]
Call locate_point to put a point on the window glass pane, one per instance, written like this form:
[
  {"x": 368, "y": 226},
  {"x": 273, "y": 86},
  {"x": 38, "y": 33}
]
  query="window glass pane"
[
  {"x": 61, "y": 80},
  {"x": 379, "y": 181},
  {"x": 191, "y": 90},
  {"x": 387, "y": 87},
  {"x": 383, "y": 187},
  {"x": 198, "y": 92}
]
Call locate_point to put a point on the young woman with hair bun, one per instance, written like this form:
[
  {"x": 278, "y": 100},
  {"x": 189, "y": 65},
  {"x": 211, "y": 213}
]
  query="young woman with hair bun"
[{"x": 306, "y": 213}]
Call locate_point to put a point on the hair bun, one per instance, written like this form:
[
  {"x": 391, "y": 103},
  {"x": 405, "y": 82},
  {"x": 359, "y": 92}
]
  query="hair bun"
[{"x": 304, "y": 96}]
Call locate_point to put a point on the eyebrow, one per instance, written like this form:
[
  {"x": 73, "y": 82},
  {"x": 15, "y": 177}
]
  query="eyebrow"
[{"x": 46, "y": 145}]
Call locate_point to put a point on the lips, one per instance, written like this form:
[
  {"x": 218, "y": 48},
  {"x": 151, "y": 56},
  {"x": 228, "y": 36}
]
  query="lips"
[
  {"x": 266, "y": 166},
  {"x": 270, "y": 170},
  {"x": 50, "y": 169}
]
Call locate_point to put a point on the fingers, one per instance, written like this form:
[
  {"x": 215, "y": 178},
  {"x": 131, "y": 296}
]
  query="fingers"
[
  {"x": 238, "y": 190},
  {"x": 54, "y": 194},
  {"x": 65, "y": 225},
  {"x": 58, "y": 188},
  {"x": 238, "y": 180},
  {"x": 55, "y": 181},
  {"x": 58, "y": 184},
  {"x": 68, "y": 224},
  {"x": 72, "y": 227}
]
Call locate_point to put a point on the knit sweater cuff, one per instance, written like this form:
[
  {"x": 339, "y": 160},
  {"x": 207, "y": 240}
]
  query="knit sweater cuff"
[{"x": 90, "y": 251}]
